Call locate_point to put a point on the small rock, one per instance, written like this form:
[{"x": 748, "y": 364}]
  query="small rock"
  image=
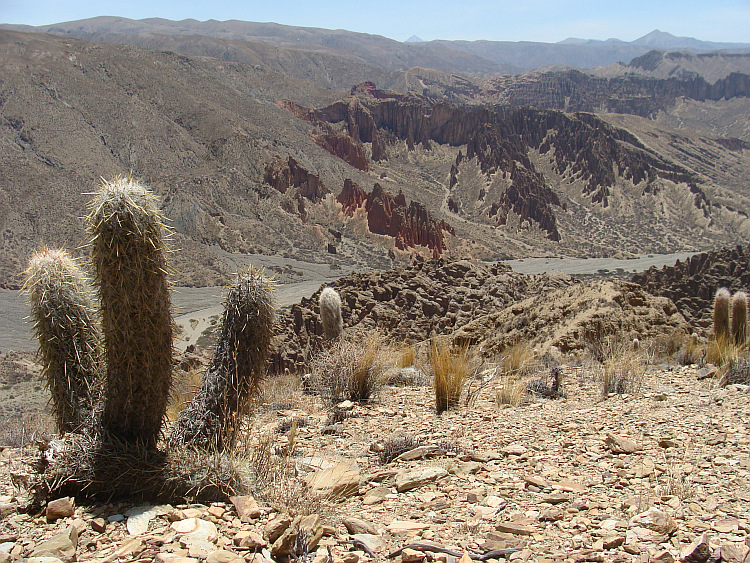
[
  {"x": 613, "y": 542},
  {"x": 418, "y": 477},
  {"x": 406, "y": 527},
  {"x": 173, "y": 558},
  {"x": 247, "y": 508},
  {"x": 224, "y": 556},
  {"x": 655, "y": 520},
  {"x": 514, "y": 449},
  {"x": 140, "y": 516},
  {"x": 195, "y": 529},
  {"x": 513, "y": 528},
  {"x": 307, "y": 528},
  {"x": 375, "y": 543},
  {"x": 552, "y": 515},
  {"x": 99, "y": 525},
  {"x": 409, "y": 555},
  {"x": 556, "y": 499},
  {"x": 698, "y": 551},
  {"x": 59, "y": 508},
  {"x": 345, "y": 406},
  {"x": 356, "y": 526},
  {"x": 62, "y": 546},
  {"x": 341, "y": 480},
  {"x": 276, "y": 527},
  {"x": 535, "y": 481},
  {"x": 621, "y": 445},
  {"x": 667, "y": 442},
  {"x": 661, "y": 556}
]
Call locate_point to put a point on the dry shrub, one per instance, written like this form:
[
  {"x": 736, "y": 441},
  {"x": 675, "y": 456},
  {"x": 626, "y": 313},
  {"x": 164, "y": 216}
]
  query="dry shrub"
[
  {"x": 352, "y": 367},
  {"x": 722, "y": 351},
  {"x": 739, "y": 371},
  {"x": 18, "y": 430},
  {"x": 624, "y": 367},
  {"x": 512, "y": 391},
  {"x": 450, "y": 370},
  {"x": 408, "y": 356},
  {"x": 397, "y": 445},
  {"x": 517, "y": 359},
  {"x": 182, "y": 392},
  {"x": 281, "y": 392}
]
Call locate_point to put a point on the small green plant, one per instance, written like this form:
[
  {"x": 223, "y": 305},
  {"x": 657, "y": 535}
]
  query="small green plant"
[
  {"x": 450, "y": 371},
  {"x": 69, "y": 342}
]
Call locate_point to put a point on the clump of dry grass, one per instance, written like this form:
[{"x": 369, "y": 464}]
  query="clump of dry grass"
[
  {"x": 722, "y": 351},
  {"x": 624, "y": 367},
  {"x": 397, "y": 445},
  {"x": 408, "y": 356},
  {"x": 517, "y": 359},
  {"x": 512, "y": 391},
  {"x": 450, "y": 370},
  {"x": 352, "y": 367}
]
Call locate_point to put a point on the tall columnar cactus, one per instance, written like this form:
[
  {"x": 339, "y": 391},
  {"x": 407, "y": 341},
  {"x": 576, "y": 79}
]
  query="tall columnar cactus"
[
  {"x": 721, "y": 315},
  {"x": 739, "y": 318},
  {"x": 69, "y": 345},
  {"x": 128, "y": 253},
  {"x": 330, "y": 313},
  {"x": 212, "y": 418}
]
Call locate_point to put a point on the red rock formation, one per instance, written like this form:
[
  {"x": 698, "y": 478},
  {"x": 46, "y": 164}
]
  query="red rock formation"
[
  {"x": 284, "y": 175},
  {"x": 411, "y": 225},
  {"x": 343, "y": 146}
]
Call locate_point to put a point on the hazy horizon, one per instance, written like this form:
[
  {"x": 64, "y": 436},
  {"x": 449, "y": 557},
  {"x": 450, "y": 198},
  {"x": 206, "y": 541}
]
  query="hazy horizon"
[{"x": 548, "y": 21}]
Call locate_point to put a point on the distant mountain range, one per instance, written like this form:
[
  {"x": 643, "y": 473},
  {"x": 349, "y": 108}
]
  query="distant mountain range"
[{"x": 468, "y": 57}]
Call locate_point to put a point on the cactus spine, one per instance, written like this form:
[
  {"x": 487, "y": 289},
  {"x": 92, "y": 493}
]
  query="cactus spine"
[
  {"x": 330, "y": 313},
  {"x": 721, "y": 315},
  {"x": 211, "y": 419},
  {"x": 69, "y": 346},
  {"x": 739, "y": 318},
  {"x": 128, "y": 253}
]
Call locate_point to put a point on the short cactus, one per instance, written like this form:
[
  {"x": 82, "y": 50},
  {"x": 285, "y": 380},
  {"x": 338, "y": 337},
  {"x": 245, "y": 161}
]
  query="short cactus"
[
  {"x": 721, "y": 315},
  {"x": 69, "y": 345},
  {"x": 212, "y": 418},
  {"x": 330, "y": 313},
  {"x": 739, "y": 318},
  {"x": 128, "y": 253}
]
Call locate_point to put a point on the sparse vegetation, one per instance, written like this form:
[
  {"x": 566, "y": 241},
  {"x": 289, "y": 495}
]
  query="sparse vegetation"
[
  {"x": 624, "y": 367},
  {"x": 397, "y": 445},
  {"x": 450, "y": 370},
  {"x": 353, "y": 367}
]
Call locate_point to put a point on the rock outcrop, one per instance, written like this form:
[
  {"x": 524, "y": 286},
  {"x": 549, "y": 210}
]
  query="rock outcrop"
[
  {"x": 692, "y": 284},
  {"x": 411, "y": 225},
  {"x": 287, "y": 175},
  {"x": 410, "y": 304},
  {"x": 581, "y": 147}
]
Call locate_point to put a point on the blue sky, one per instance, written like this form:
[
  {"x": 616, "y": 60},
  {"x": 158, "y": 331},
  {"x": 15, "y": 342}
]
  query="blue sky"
[{"x": 518, "y": 20}]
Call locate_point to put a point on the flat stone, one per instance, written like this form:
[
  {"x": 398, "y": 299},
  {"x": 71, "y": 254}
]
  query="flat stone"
[
  {"x": 620, "y": 444},
  {"x": 372, "y": 541},
  {"x": 173, "y": 558},
  {"x": 409, "y": 555},
  {"x": 418, "y": 477},
  {"x": 406, "y": 527},
  {"x": 341, "y": 480},
  {"x": 59, "y": 508},
  {"x": 250, "y": 539},
  {"x": 419, "y": 452},
  {"x": 43, "y": 560},
  {"x": 556, "y": 499},
  {"x": 513, "y": 528},
  {"x": 195, "y": 529},
  {"x": 224, "y": 556},
  {"x": 726, "y": 525},
  {"x": 655, "y": 520},
  {"x": 199, "y": 548},
  {"x": 569, "y": 486},
  {"x": 247, "y": 507},
  {"x": 357, "y": 526},
  {"x": 375, "y": 496},
  {"x": 140, "y": 516},
  {"x": 62, "y": 546}
]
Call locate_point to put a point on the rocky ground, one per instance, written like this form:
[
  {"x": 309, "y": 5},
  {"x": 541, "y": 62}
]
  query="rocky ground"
[{"x": 644, "y": 476}]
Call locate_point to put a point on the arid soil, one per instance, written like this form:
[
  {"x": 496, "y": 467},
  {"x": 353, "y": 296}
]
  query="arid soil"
[{"x": 546, "y": 478}]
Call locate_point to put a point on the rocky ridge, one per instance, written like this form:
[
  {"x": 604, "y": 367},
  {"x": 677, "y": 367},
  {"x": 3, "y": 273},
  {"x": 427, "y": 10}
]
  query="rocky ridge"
[{"x": 692, "y": 284}]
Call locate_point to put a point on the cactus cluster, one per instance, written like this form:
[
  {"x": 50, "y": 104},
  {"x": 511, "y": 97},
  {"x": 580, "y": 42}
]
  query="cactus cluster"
[
  {"x": 110, "y": 371},
  {"x": 730, "y": 329}
]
